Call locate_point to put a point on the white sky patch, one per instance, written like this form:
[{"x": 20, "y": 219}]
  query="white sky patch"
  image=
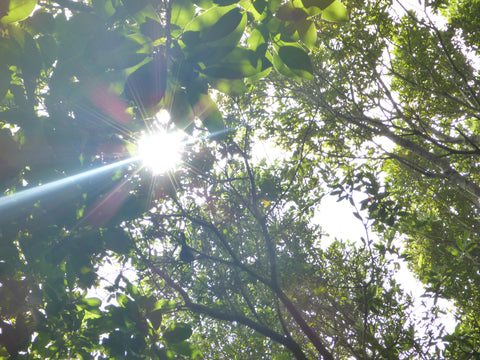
[
  {"x": 338, "y": 222},
  {"x": 266, "y": 150}
]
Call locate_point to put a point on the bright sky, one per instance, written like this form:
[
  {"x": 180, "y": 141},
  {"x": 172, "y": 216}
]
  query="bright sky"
[{"x": 337, "y": 220}]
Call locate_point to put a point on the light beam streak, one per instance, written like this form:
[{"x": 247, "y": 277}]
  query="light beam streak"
[{"x": 8, "y": 201}]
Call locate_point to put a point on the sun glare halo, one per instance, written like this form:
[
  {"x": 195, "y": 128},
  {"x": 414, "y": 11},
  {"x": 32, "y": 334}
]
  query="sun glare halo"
[{"x": 161, "y": 151}]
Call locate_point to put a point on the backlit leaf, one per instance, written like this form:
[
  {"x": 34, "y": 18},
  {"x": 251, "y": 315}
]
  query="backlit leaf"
[
  {"x": 92, "y": 302},
  {"x": 335, "y": 12},
  {"x": 255, "y": 39},
  {"x": 232, "y": 87},
  {"x": 273, "y": 5},
  {"x": 18, "y": 10},
  {"x": 183, "y": 12},
  {"x": 208, "y": 18},
  {"x": 240, "y": 63},
  {"x": 308, "y": 33},
  {"x": 207, "y": 111}
]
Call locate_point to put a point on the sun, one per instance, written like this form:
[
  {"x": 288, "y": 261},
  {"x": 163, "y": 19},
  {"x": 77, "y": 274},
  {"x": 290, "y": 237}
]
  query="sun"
[{"x": 161, "y": 151}]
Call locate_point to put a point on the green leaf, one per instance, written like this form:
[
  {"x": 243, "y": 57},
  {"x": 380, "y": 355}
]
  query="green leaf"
[
  {"x": 181, "y": 111},
  {"x": 357, "y": 215},
  {"x": 207, "y": 40},
  {"x": 335, "y": 12},
  {"x": 227, "y": 24},
  {"x": 152, "y": 29},
  {"x": 208, "y": 18},
  {"x": 462, "y": 241},
  {"x": 231, "y": 87},
  {"x": 273, "y": 5},
  {"x": 155, "y": 318},
  {"x": 122, "y": 299},
  {"x": 308, "y": 33},
  {"x": 282, "y": 68},
  {"x": 225, "y": 2},
  {"x": 206, "y": 110},
  {"x": 92, "y": 302},
  {"x": 255, "y": 39},
  {"x": 48, "y": 49},
  {"x": 164, "y": 304},
  {"x": 40, "y": 23},
  {"x": 146, "y": 85},
  {"x": 18, "y": 10},
  {"x": 297, "y": 60},
  {"x": 240, "y": 63},
  {"x": 183, "y": 12},
  {"x": 183, "y": 348},
  {"x": 267, "y": 68},
  {"x": 117, "y": 240},
  {"x": 5, "y": 77},
  {"x": 215, "y": 125},
  {"x": 31, "y": 66},
  {"x": 321, "y": 4},
  {"x": 290, "y": 13},
  {"x": 177, "y": 333},
  {"x": 104, "y": 8},
  {"x": 77, "y": 33},
  {"x": 112, "y": 50},
  {"x": 140, "y": 10},
  {"x": 10, "y": 51},
  {"x": 259, "y": 5}
]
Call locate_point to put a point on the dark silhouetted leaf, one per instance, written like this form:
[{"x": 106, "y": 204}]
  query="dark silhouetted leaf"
[
  {"x": 321, "y": 4},
  {"x": 290, "y": 13},
  {"x": 295, "y": 59},
  {"x": 155, "y": 318},
  {"x": 177, "y": 333},
  {"x": 224, "y": 26},
  {"x": 146, "y": 86},
  {"x": 225, "y": 2}
]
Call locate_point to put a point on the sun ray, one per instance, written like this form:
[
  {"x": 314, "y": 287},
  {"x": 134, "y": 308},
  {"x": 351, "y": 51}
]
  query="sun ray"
[{"x": 8, "y": 202}]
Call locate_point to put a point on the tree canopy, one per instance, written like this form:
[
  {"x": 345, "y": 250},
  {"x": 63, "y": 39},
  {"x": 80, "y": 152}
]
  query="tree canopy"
[{"x": 221, "y": 256}]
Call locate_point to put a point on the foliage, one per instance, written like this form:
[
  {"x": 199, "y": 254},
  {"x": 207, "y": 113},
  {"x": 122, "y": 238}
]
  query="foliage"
[
  {"x": 225, "y": 245},
  {"x": 415, "y": 84},
  {"x": 79, "y": 82}
]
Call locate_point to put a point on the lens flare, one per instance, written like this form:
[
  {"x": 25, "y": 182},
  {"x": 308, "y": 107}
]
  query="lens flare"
[{"x": 161, "y": 151}]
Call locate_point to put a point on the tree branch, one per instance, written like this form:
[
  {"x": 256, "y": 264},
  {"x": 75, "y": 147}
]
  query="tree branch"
[{"x": 230, "y": 316}]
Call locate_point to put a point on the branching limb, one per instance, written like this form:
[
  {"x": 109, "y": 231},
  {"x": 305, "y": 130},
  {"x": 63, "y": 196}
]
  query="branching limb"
[{"x": 218, "y": 314}]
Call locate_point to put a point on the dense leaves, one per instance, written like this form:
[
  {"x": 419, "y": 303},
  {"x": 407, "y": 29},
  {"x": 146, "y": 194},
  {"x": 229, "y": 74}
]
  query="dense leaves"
[
  {"x": 79, "y": 83},
  {"x": 414, "y": 83},
  {"x": 222, "y": 257}
]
